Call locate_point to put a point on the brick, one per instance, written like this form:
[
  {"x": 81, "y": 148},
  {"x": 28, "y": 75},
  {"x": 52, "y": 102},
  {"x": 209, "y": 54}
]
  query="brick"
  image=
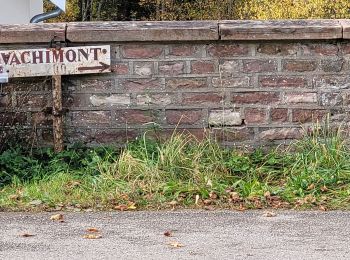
[
  {"x": 144, "y": 68},
  {"x": 183, "y": 50},
  {"x": 202, "y": 67},
  {"x": 76, "y": 100},
  {"x": 13, "y": 118},
  {"x": 307, "y": 115},
  {"x": 239, "y": 82},
  {"x": 120, "y": 68},
  {"x": 332, "y": 99},
  {"x": 227, "y": 50},
  {"x": 299, "y": 65},
  {"x": 281, "y": 134},
  {"x": 296, "y": 98},
  {"x": 322, "y": 49},
  {"x": 332, "y": 82},
  {"x": 279, "y": 115},
  {"x": 91, "y": 118},
  {"x": 184, "y": 117},
  {"x": 225, "y": 118},
  {"x": 5, "y": 100},
  {"x": 96, "y": 85},
  {"x": 139, "y": 85},
  {"x": 254, "y": 66},
  {"x": 255, "y": 116},
  {"x": 230, "y": 67},
  {"x": 115, "y": 136},
  {"x": 110, "y": 100},
  {"x": 135, "y": 116},
  {"x": 282, "y": 82},
  {"x": 332, "y": 65},
  {"x": 31, "y": 101},
  {"x": 41, "y": 119},
  {"x": 202, "y": 99},
  {"x": 171, "y": 68},
  {"x": 25, "y": 84},
  {"x": 186, "y": 83},
  {"x": 233, "y": 134},
  {"x": 278, "y": 49},
  {"x": 141, "y": 51},
  {"x": 153, "y": 99},
  {"x": 255, "y": 98},
  {"x": 345, "y": 48}
]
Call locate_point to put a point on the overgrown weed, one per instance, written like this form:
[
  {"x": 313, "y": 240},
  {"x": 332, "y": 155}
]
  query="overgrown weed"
[{"x": 181, "y": 172}]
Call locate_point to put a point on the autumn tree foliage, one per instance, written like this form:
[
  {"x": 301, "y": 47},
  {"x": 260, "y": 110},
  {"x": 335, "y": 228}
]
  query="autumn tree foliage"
[{"x": 92, "y": 10}]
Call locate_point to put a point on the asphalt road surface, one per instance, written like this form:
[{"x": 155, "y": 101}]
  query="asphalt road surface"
[{"x": 194, "y": 235}]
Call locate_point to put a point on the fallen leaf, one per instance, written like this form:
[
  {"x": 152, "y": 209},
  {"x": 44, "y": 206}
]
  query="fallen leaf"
[
  {"x": 207, "y": 202},
  {"x": 175, "y": 244},
  {"x": 92, "y": 230},
  {"x": 234, "y": 196},
  {"x": 270, "y": 214},
  {"x": 121, "y": 207},
  {"x": 92, "y": 236},
  {"x": 197, "y": 199},
  {"x": 132, "y": 206},
  {"x": 311, "y": 186},
  {"x": 323, "y": 208},
  {"x": 324, "y": 188},
  {"x": 173, "y": 203},
  {"x": 213, "y": 195},
  {"x": 14, "y": 197},
  {"x": 209, "y": 208},
  {"x": 168, "y": 234},
  {"x": 267, "y": 194},
  {"x": 27, "y": 235},
  {"x": 57, "y": 217}
]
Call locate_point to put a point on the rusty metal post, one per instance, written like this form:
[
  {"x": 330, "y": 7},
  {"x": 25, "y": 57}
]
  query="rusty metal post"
[{"x": 57, "y": 113}]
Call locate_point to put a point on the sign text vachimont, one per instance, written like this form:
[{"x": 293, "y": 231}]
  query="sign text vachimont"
[{"x": 64, "y": 61}]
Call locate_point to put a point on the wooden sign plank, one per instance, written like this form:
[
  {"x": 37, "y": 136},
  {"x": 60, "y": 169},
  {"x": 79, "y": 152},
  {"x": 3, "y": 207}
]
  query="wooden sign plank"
[{"x": 50, "y": 62}]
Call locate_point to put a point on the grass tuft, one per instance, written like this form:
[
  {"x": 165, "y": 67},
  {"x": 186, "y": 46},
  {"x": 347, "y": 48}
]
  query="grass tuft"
[{"x": 180, "y": 172}]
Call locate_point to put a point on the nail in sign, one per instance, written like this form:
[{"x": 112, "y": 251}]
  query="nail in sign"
[{"x": 49, "y": 62}]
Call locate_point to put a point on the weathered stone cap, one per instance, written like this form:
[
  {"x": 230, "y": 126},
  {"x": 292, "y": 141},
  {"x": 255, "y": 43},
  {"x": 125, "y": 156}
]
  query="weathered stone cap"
[
  {"x": 346, "y": 28},
  {"x": 142, "y": 31},
  {"x": 280, "y": 29},
  {"x": 32, "y": 33}
]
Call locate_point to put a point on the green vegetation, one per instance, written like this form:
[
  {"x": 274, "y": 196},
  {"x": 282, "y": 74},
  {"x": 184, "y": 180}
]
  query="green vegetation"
[
  {"x": 180, "y": 172},
  {"x": 92, "y": 10}
]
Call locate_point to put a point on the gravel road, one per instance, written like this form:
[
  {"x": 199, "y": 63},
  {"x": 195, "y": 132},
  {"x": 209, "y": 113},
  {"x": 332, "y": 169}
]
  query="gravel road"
[{"x": 202, "y": 235}]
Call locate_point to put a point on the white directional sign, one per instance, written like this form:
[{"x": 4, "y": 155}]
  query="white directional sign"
[{"x": 64, "y": 61}]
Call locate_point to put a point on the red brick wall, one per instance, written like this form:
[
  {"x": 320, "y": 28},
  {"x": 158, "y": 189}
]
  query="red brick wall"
[{"x": 241, "y": 88}]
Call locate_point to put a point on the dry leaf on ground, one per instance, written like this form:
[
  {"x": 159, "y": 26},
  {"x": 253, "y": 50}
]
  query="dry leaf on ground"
[
  {"x": 323, "y": 208},
  {"x": 132, "y": 206},
  {"x": 27, "y": 235},
  {"x": 168, "y": 234},
  {"x": 57, "y": 217},
  {"x": 175, "y": 244},
  {"x": 95, "y": 230},
  {"x": 270, "y": 214},
  {"x": 92, "y": 236},
  {"x": 121, "y": 207}
]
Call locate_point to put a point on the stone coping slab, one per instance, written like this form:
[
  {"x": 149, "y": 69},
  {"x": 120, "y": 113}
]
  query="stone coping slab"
[
  {"x": 281, "y": 30},
  {"x": 32, "y": 33},
  {"x": 155, "y": 31},
  {"x": 143, "y": 31}
]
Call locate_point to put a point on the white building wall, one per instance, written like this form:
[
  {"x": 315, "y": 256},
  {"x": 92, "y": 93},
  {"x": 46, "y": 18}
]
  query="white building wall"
[{"x": 19, "y": 11}]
